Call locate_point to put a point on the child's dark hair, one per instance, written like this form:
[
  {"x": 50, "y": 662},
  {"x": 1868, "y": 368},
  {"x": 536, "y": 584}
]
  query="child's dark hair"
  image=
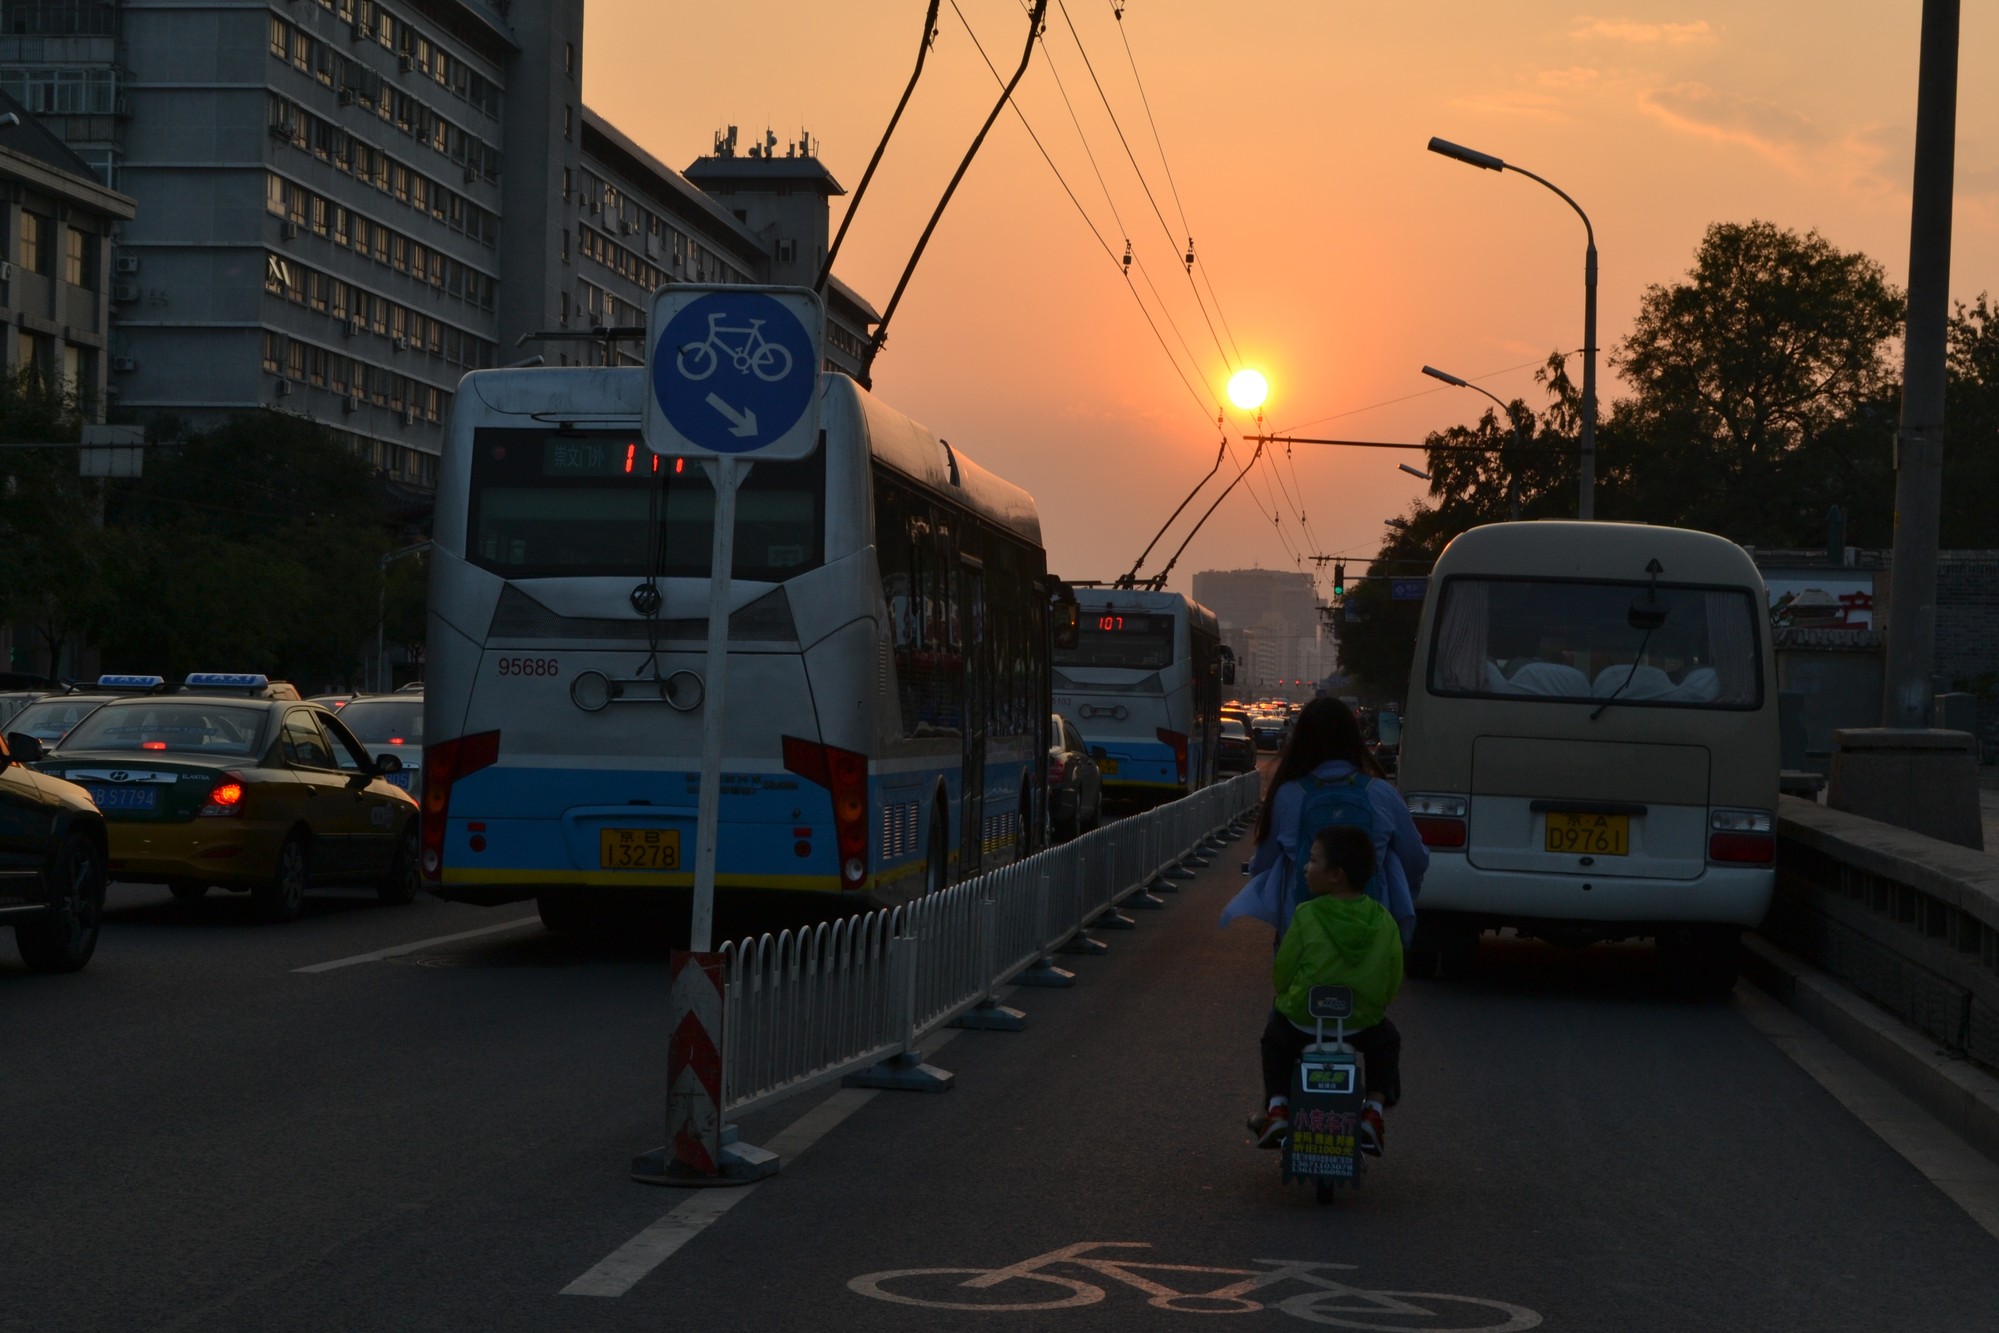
[{"x": 1349, "y": 850}]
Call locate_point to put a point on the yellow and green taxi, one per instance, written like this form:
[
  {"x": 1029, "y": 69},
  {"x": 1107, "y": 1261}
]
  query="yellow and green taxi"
[{"x": 252, "y": 794}]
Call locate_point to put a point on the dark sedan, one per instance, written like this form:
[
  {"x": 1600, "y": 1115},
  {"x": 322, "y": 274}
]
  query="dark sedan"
[
  {"x": 1235, "y": 751},
  {"x": 1075, "y": 785}
]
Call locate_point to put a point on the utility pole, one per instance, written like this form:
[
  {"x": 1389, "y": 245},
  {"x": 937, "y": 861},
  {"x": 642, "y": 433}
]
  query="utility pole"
[{"x": 1912, "y": 612}]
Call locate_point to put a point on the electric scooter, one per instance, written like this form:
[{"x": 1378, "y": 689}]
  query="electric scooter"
[{"x": 1323, "y": 1146}]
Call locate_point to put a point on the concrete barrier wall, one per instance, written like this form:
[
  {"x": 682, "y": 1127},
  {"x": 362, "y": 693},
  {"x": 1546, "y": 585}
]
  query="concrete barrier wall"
[{"x": 1908, "y": 921}]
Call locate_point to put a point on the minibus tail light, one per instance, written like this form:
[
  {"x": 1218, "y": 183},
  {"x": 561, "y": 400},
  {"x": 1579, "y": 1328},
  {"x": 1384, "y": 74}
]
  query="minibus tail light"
[
  {"x": 1439, "y": 820},
  {"x": 1741, "y": 837},
  {"x": 844, "y": 774},
  {"x": 444, "y": 763}
]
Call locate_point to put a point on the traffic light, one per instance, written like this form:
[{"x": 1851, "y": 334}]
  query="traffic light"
[{"x": 1339, "y": 578}]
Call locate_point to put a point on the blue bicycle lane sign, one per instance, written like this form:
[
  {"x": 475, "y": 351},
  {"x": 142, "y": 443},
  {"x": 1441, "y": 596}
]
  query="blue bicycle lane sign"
[{"x": 733, "y": 370}]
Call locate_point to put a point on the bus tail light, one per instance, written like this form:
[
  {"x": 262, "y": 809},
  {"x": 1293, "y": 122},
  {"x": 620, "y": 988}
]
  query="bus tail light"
[
  {"x": 1741, "y": 837},
  {"x": 1177, "y": 741},
  {"x": 444, "y": 762},
  {"x": 1439, "y": 820},
  {"x": 845, "y": 775}
]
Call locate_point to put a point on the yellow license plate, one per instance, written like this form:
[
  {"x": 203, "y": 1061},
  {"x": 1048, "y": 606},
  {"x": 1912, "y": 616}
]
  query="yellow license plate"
[
  {"x": 638, "y": 849},
  {"x": 1107, "y": 766},
  {"x": 1588, "y": 835}
]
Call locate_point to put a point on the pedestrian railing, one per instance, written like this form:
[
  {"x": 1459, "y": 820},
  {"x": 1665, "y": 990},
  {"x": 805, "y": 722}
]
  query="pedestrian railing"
[{"x": 855, "y": 999}]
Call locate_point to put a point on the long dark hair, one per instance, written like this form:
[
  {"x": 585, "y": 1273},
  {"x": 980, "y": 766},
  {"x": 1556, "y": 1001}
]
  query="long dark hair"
[{"x": 1325, "y": 729}]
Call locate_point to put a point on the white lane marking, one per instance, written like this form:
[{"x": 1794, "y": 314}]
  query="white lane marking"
[
  {"x": 1966, "y": 1176},
  {"x": 621, "y": 1270},
  {"x": 401, "y": 949}
]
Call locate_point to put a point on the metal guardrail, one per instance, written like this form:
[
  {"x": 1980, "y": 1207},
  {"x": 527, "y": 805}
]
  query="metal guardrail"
[{"x": 805, "y": 1008}]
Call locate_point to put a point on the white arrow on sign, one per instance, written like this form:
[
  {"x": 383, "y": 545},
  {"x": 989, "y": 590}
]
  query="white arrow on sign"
[{"x": 740, "y": 423}]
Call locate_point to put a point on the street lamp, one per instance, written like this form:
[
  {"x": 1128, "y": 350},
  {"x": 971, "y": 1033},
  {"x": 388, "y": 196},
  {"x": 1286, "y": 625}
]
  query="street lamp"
[
  {"x": 1512, "y": 495},
  {"x": 1586, "y": 505},
  {"x": 1416, "y": 472}
]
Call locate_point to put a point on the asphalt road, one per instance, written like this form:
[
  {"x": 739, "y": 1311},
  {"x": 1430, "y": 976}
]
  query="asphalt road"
[{"x": 201, "y": 1136}]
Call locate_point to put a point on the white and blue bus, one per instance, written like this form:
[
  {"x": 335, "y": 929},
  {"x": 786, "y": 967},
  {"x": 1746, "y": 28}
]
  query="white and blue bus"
[
  {"x": 1144, "y": 686},
  {"x": 887, "y": 716}
]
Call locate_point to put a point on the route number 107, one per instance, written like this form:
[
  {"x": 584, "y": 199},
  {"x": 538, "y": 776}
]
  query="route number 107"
[{"x": 530, "y": 666}]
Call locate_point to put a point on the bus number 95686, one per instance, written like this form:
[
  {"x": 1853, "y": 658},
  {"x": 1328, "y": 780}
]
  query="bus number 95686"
[{"x": 530, "y": 666}]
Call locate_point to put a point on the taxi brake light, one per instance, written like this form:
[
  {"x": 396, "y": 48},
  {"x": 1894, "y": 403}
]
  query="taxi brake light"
[
  {"x": 225, "y": 798},
  {"x": 152, "y": 745}
]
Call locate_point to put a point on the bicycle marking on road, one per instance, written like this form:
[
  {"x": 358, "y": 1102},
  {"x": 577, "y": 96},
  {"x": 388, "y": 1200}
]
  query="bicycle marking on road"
[
  {"x": 399, "y": 950},
  {"x": 1326, "y": 1300}
]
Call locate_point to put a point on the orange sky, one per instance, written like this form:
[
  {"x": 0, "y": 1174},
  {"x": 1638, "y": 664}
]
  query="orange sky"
[{"x": 1343, "y": 256}]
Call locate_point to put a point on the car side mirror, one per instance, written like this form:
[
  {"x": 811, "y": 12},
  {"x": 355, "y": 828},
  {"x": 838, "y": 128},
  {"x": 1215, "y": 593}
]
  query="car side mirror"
[
  {"x": 388, "y": 763},
  {"x": 23, "y": 748}
]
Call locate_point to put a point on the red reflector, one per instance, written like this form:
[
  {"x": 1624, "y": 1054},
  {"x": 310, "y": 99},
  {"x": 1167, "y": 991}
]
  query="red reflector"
[
  {"x": 1178, "y": 741},
  {"x": 152, "y": 745},
  {"x": 844, "y": 774},
  {"x": 801, "y": 833},
  {"x": 1742, "y": 848},
  {"x": 1440, "y": 830}
]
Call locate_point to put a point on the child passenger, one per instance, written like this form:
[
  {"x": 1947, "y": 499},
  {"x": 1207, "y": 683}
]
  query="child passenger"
[{"x": 1337, "y": 937}]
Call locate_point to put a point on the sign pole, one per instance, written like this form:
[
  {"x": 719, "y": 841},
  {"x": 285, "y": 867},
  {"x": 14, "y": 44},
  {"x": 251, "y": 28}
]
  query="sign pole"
[{"x": 725, "y": 473}]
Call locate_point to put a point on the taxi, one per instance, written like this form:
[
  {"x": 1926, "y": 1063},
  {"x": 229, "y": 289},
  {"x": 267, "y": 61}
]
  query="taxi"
[
  {"x": 236, "y": 789},
  {"x": 51, "y": 862},
  {"x": 50, "y": 716}
]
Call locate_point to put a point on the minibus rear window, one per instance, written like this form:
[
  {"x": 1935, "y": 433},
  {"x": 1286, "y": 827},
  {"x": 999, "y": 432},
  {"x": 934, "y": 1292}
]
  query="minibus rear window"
[{"x": 1577, "y": 640}]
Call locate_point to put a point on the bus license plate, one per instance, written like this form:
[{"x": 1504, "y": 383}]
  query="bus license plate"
[
  {"x": 1107, "y": 767},
  {"x": 1592, "y": 835},
  {"x": 638, "y": 849}
]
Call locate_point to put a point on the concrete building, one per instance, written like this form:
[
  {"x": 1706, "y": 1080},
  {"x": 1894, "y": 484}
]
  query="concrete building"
[
  {"x": 344, "y": 205},
  {"x": 55, "y": 259},
  {"x": 1270, "y": 617}
]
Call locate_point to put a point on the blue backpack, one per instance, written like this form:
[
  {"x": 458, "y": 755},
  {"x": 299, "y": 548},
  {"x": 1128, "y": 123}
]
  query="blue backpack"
[{"x": 1342, "y": 801}]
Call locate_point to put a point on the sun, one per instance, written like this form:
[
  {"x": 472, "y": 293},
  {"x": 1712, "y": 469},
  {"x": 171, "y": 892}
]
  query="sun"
[{"x": 1248, "y": 389}]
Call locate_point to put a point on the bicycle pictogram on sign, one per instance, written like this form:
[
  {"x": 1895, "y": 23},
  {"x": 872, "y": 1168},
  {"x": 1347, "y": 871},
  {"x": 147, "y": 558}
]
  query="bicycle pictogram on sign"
[
  {"x": 1030, "y": 1285},
  {"x": 752, "y": 354},
  {"x": 733, "y": 370}
]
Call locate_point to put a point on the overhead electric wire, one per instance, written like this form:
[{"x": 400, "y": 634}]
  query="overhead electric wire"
[{"x": 1410, "y": 397}]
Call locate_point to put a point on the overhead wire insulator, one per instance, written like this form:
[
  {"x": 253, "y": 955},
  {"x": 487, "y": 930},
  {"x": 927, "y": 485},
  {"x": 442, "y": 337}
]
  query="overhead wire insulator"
[
  {"x": 1190, "y": 254},
  {"x": 1127, "y": 256}
]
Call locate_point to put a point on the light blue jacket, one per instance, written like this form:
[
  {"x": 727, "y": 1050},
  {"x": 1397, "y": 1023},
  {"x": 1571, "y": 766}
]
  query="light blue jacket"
[{"x": 1397, "y": 847}]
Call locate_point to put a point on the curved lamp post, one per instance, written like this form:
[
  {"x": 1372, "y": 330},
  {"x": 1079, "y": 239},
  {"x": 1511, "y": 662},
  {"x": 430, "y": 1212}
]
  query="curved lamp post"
[
  {"x": 1512, "y": 496},
  {"x": 1586, "y": 505}
]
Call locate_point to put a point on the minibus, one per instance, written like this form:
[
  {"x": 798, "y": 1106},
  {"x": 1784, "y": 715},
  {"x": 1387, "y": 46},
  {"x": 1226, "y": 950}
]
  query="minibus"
[{"x": 1590, "y": 746}]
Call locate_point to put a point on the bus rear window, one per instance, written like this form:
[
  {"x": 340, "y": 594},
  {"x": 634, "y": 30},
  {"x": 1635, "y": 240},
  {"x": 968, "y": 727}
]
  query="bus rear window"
[
  {"x": 548, "y": 504},
  {"x": 1575, "y": 640},
  {"x": 1114, "y": 639}
]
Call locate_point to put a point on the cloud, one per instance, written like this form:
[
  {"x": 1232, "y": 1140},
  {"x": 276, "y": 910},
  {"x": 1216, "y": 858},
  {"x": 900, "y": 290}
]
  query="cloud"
[
  {"x": 1540, "y": 106},
  {"x": 1756, "y": 123},
  {"x": 1575, "y": 76},
  {"x": 1632, "y": 32}
]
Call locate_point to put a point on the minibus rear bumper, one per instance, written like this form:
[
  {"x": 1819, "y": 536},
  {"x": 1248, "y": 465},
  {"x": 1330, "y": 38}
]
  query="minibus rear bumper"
[{"x": 1721, "y": 895}]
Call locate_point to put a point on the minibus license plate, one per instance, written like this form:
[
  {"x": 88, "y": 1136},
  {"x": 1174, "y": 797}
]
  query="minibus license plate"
[
  {"x": 638, "y": 849},
  {"x": 1590, "y": 835}
]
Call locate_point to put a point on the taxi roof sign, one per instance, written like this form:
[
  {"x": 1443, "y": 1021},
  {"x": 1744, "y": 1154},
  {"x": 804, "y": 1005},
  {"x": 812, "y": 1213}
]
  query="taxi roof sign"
[
  {"x": 226, "y": 680},
  {"x": 130, "y": 682}
]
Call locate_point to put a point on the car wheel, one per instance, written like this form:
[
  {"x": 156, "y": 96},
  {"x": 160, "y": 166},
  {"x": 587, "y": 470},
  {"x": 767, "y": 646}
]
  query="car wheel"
[
  {"x": 187, "y": 891},
  {"x": 283, "y": 897},
  {"x": 399, "y": 887},
  {"x": 63, "y": 938}
]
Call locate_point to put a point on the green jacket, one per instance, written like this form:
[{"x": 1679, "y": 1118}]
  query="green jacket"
[{"x": 1339, "y": 942}]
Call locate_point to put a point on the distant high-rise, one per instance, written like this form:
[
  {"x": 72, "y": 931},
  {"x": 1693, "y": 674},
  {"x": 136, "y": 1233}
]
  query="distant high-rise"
[{"x": 1270, "y": 617}]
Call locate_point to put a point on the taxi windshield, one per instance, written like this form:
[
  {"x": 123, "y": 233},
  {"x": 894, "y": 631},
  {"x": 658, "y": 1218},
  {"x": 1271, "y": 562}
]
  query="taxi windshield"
[
  {"x": 385, "y": 721},
  {"x": 175, "y": 728}
]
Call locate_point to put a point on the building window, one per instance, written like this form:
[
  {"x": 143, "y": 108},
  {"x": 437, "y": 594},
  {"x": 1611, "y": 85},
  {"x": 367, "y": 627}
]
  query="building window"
[
  {"x": 34, "y": 242},
  {"x": 568, "y": 121},
  {"x": 569, "y": 59},
  {"x": 80, "y": 259}
]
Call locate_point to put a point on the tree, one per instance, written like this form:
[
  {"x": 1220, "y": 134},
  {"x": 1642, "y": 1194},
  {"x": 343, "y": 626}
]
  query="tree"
[
  {"x": 1971, "y": 426},
  {"x": 1765, "y": 371},
  {"x": 48, "y": 519}
]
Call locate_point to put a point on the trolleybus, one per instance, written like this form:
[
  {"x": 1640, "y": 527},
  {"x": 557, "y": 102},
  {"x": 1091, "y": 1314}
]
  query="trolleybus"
[{"x": 888, "y": 656}]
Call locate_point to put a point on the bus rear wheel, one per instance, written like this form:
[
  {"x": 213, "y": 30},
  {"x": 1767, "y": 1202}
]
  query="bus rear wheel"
[{"x": 937, "y": 861}]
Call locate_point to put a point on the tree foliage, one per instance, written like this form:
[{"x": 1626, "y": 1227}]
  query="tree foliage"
[{"x": 48, "y": 515}]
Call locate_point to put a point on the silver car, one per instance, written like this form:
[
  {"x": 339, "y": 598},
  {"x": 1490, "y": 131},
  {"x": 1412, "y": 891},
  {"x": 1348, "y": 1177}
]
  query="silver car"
[{"x": 390, "y": 724}]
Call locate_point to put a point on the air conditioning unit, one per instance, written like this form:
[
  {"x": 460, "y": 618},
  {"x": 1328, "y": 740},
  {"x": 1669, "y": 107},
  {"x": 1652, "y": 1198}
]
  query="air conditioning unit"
[
  {"x": 6, "y": 272},
  {"x": 289, "y": 230},
  {"x": 284, "y": 129},
  {"x": 402, "y": 343},
  {"x": 284, "y": 387},
  {"x": 345, "y": 97},
  {"x": 409, "y": 416},
  {"x": 124, "y": 363},
  {"x": 351, "y": 403},
  {"x": 125, "y": 264},
  {"x": 360, "y": 32},
  {"x": 125, "y": 293},
  {"x": 353, "y": 326}
]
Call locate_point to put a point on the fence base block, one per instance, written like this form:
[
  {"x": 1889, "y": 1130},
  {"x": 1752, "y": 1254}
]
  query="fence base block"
[
  {"x": 902, "y": 1073},
  {"x": 1181, "y": 871},
  {"x": 1044, "y": 972},
  {"x": 991, "y": 1016},
  {"x": 1084, "y": 944},
  {"x": 1143, "y": 900},
  {"x": 1161, "y": 884},
  {"x": 741, "y": 1164},
  {"x": 1114, "y": 920}
]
